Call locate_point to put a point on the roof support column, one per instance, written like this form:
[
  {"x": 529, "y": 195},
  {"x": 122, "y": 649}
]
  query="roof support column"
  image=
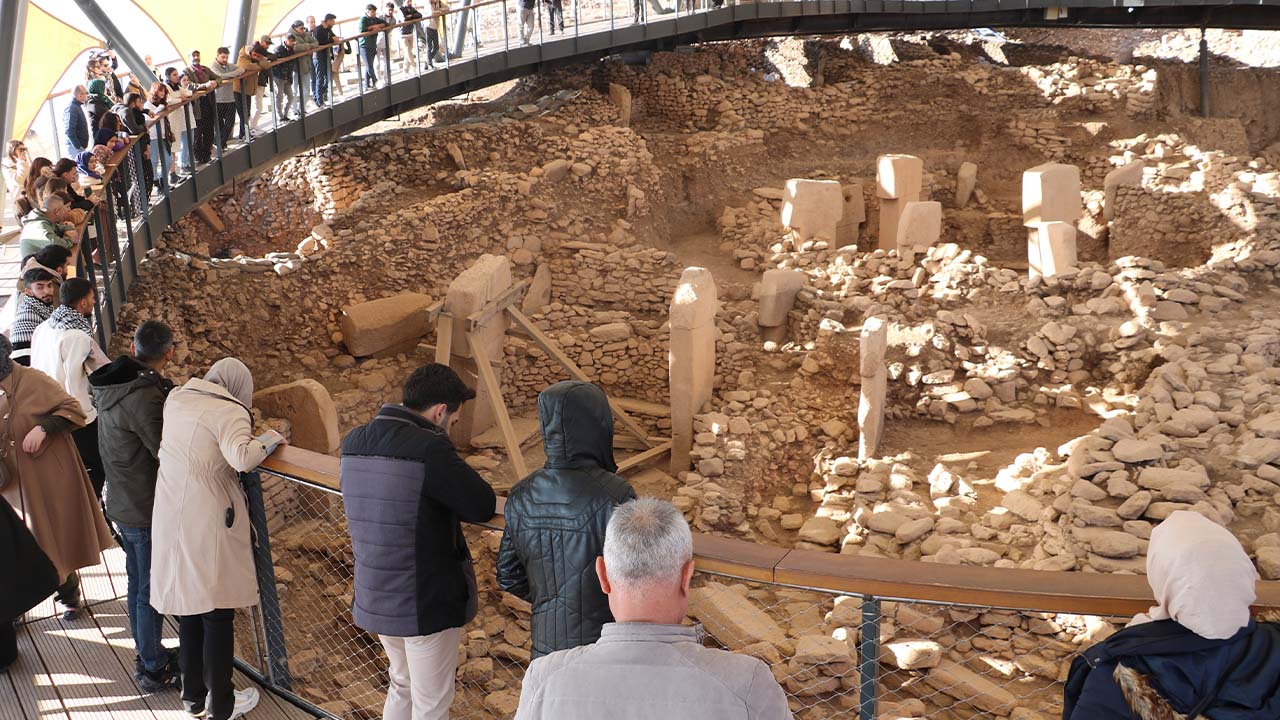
[
  {"x": 115, "y": 39},
  {"x": 1204, "y": 74},
  {"x": 13, "y": 15},
  {"x": 247, "y": 12}
]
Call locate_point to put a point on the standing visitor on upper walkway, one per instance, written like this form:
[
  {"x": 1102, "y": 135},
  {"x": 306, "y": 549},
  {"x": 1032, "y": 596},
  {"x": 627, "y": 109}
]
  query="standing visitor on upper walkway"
[
  {"x": 1197, "y": 653},
  {"x": 556, "y": 519},
  {"x": 648, "y": 664},
  {"x": 405, "y": 490}
]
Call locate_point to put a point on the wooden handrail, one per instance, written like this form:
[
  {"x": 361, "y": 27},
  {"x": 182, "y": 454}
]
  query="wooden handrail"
[{"x": 1032, "y": 590}]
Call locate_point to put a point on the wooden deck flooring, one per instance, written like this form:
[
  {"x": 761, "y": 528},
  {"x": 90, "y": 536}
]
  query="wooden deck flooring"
[{"x": 83, "y": 669}]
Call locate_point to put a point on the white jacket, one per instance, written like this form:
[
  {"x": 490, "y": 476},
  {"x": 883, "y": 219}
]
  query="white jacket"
[{"x": 68, "y": 356}]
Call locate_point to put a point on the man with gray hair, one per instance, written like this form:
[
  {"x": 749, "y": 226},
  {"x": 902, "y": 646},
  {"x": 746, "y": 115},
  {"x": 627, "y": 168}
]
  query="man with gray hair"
[{"x": 647, "y": 664}]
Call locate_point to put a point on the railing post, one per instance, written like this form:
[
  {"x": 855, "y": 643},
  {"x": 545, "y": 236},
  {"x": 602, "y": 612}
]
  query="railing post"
[
  {"x": 272, "y": 621},
  {"x": 868, "y": 657}
]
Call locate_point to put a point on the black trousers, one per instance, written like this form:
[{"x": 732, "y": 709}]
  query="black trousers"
[
  {"x": 433, "y": 45},
  {"x": 86, "y": 440},
  {"x": 203, "y": 149},
  {"x": 207, "y": 645},
  {"x": 555, "y": 14},
  {"x": 242, "y": 111},
  {"x": 8, "y": 643},
  {"x": 226, "y": 120}
]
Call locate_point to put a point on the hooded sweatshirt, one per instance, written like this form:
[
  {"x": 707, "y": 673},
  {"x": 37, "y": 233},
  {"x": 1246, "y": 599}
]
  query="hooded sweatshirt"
[
  {"x": 130, "y": 399},
  {"x": 556, "y": 519}
]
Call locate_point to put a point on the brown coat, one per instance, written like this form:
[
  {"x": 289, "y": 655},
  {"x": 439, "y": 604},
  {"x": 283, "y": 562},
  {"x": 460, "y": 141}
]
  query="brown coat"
[{"x": 50, "y": 490}]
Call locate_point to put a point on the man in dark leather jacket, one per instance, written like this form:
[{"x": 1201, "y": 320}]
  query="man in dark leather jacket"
[{"x": 556, "y": 520}]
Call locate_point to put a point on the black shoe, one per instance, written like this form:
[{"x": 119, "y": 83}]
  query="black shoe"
[
  {"x": 73, "y": 612},
  {"x": 158, "y": 681}
]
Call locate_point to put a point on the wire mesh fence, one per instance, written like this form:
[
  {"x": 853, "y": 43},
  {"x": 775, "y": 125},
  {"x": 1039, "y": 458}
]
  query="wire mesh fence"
[{"x": 836, "y": 655}]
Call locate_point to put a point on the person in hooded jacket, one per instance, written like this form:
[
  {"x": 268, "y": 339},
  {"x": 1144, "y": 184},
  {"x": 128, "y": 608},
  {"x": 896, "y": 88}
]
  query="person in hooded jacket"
[
  {"x": 556, "y": 519},
  {"x": 129, "y": 395},
  {"x": 201, "y": 555},
  {"x": 1197, "y": 653}
]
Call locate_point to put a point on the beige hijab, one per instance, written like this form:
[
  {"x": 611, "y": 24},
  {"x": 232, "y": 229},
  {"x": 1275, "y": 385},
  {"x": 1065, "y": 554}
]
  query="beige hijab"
[
  {"x": 1201, "y": 577},
  {"x": 234, "y": 377}
]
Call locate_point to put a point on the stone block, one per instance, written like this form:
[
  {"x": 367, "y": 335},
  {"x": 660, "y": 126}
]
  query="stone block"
[
  {"x": 393, "y": 322},
  {"x": 538, "y": 296},
  {"x": 307, "y": 406},
  {"x": 855, "y": 213},
  {"x": 487, "y": 278},
  {"x": 890, "y": 212},
  {"x": 778, "y": 290},
  {"x": 1051, "y": 249},
  {"x": 732, "y": 619},
  {"x": 919, "y": 226},
  {"x": 691, "y": 357},
  {"x": 813, "y": 208},
  {"x": 620, "y": 96},
  {"x": 1125, "y": 176},
  {"x": 899, "y": 177},
  {"x": 969, "y": 687},
  {"x": 875, "y": 383},
  {"x": 966, "y": 181},
  {"x": 911, "y": 654},
  {"x": 1051, "y": 193}
]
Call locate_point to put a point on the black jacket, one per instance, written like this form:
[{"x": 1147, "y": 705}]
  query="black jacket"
[
  {"x": 130, "y": 400},
  {"x": 405, "y": 489},
  {"x": 1233, "y": 679},
  {"x": 29, "y": 575},
  {"x": 556, "y": 520}
]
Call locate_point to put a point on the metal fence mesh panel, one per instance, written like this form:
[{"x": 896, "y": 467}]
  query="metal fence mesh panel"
[{"x": 936, "y": 661}]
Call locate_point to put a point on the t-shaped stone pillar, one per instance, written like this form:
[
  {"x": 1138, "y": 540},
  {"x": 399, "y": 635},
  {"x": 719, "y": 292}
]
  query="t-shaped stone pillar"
[
  {"x": 485, "y": 280},
  {"x": 898, "y": 182},
  {"x": 812, "y": 208},
  {"x": 874, "y": 341},
  {"x": 778, "y": 290},
  {"x": 919, "y": 227},
  {"x": 692, "y": 357},
  {"x": 1051, "y": 249},
  {"x": 1050, "y": 208}
]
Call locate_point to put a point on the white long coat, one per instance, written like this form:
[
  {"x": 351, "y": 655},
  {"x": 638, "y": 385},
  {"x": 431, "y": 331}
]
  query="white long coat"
[{"x": 198, "y": 563}]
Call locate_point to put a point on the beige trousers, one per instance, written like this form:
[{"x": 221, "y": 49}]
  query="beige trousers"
[{"x": 421, "y": 673}]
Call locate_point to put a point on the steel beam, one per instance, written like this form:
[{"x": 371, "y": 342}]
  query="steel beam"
[
  {"x": 116, "y": 40},
  {"x": 1204, "y": 74},
  {"x": 244, "y": 25},
  {"x": 13, "y": 14}
]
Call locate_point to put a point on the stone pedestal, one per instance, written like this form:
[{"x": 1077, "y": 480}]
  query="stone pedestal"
[
  {"x": 966, "y": 181},
  {"x": 898, "y": 181},
  {"x": 778, "y": 290},
  {"x": 874, "y": 342},
  {"x": 919, "y": 226},
  {"x": 485, "y": 280},
  {"x": 812, "y": 208},
  {"x": 692, "y": 357},
  {"x": 1051, "y": 249},
  {"x": 1051, "y": 193}
]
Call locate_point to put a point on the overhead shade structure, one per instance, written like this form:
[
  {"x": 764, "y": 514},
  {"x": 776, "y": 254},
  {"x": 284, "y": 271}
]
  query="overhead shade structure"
[
  {"x": 271, "y": 13},
  {"x": 189, "y": 25},
  {"x": 49, "y": 47}
]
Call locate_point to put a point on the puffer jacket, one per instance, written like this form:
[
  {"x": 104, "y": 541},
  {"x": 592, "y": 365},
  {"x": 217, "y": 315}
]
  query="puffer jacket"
[
  {"x": 1152, "y": 670},
  {"x": 556, "y": 520},
  {"x": 129, "y": 397}
]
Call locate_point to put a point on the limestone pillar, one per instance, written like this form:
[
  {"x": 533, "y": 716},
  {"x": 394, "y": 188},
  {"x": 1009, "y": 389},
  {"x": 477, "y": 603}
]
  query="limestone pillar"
[
  {"x": 966, "y": 181},
  {"x": 874, "y": 342},
  {"x": 898, "y": 182},
  {"x": 1051, "y": 249},
  {"x": 855, "y": 213},
  {"x": 485, "y": 280},
  {"x": 919, "y": 226},
  {"x": 620, "y": 96},
  {"x": 691, "y": 358},
  {"x": 1127, "y": 176},
  {"x": 812, "y": 208},
  {"x": 778, "y": 290}
]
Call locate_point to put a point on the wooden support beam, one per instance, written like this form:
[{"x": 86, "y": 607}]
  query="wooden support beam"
[
  {"x": 644, "y": 457},
  {"x": 509, "y": 297},
  {"x": 551, "y": 348},
  {"x": 444, "y": 337},
  {"x": 499, "y": 406}
]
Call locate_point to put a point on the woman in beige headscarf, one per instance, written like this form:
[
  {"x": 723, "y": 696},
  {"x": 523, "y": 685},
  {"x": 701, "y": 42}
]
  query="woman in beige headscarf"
[
  {"x": 202, "y": 562},
  {"x": 1197, "y": 652}
]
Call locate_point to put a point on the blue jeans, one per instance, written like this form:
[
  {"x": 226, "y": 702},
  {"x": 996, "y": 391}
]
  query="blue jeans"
[
  {"x": 144, "y": 621},
  {"x": 320, "y": 77}
]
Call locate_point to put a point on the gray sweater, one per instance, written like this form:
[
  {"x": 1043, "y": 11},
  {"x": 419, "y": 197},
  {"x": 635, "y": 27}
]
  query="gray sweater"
[
  {"x": 640, "y": 671},
  {"x": 225, "y": 93}
]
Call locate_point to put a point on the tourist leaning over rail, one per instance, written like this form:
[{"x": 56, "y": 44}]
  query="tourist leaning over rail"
[
  {"x": 322, "y": 61},
  {"x": 63, "y": 348},
  {"x": 304, "y": 40},
  {"x": 201, "y": 556},
  {"x": 48, "y": 225},
  {"x": 43, "y": 477},
  {"x": 1197, "y": 653},
  {"x": 648, "y": 664},
  {"x": 370, "y": 22},
  {"x": 282, "y": 75},
  {"x": 556, "y": 519},
  {"x": 405, "y": 489},
  {"x": 254, "y": 60},
  {"x": 129, "y": 395}
]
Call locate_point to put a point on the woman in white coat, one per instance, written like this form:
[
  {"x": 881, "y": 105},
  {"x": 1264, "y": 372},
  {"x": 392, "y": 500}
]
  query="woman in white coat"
[{"x": 202, "y": 562}]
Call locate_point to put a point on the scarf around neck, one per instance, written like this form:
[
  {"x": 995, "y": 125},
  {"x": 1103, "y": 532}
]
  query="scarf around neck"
[
  {"x": 65, "y": 317},
  {"x": 31, "y": 311}
]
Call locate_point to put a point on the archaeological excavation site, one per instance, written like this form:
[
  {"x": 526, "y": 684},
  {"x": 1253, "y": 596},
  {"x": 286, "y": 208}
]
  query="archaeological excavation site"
[{"x": 923, "y": 332}]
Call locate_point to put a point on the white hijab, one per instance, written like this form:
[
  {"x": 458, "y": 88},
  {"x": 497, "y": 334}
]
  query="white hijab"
[
  {"x": 234, "y": 377},
  {"x": 1201, "y": 577}
]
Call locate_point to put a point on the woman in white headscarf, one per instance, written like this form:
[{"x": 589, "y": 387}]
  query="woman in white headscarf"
[
  {"x": 1197, "y": 653},
  {"x": 202, "y": 562}
]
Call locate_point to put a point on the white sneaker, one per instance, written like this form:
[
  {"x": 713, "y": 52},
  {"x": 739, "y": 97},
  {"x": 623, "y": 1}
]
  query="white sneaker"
[{"x": 246, "y": 700}]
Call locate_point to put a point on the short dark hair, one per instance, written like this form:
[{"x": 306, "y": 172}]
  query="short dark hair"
[
  {"x": 64, "y": 165},
  {"x": 131, "y": 98},
  {"x": 151, "y": 340},
  {"x": 330, "y": 16},
  {"x": 35, "y": 275},
  {"x": 369, "y": 7},
  {"x": 52, "y": 256},
  {"x": 169, "y": 70},
  {"x": 74, "y": 290},
  {"x": 434, "y": 384},
  {"x": 223, "y": 51}
]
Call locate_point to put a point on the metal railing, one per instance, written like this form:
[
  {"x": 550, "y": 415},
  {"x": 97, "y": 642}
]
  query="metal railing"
[{"x": 845, "y": 636}]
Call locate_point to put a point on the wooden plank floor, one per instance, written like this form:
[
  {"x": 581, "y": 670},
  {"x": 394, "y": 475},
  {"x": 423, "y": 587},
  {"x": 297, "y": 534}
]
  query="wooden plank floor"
[
  {"x": 83, "y": 670},
  {"x": 101, "y": 583}
]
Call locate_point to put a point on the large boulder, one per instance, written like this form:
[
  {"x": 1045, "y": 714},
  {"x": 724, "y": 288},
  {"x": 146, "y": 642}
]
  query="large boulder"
[
  {"x": 308, "y": 408},
  {"x": 391, "y": 322},
  {"x": 732, "y": 619}
]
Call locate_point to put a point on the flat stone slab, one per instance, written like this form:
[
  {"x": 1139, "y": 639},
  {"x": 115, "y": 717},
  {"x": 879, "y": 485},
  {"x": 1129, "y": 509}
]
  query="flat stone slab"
[{"x": 525, "y": 428}]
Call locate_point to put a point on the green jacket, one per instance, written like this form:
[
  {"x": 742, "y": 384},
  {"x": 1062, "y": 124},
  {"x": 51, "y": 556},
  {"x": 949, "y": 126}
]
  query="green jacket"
[
  {"x": 130, "y": 399},
  {"x": 39, "y": 231}
]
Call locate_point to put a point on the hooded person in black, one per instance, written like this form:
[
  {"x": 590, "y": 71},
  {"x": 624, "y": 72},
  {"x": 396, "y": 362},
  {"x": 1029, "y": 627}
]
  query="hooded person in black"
[{"x": 556, "y": 519}]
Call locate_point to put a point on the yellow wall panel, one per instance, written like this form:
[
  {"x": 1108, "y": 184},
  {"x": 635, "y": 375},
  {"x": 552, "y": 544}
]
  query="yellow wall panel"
[{"x": 48, "y": 47}]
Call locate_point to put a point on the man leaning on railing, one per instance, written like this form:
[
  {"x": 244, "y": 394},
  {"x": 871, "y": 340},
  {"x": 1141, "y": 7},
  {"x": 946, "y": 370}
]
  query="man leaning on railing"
[{"x": 648, "y": 664}]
